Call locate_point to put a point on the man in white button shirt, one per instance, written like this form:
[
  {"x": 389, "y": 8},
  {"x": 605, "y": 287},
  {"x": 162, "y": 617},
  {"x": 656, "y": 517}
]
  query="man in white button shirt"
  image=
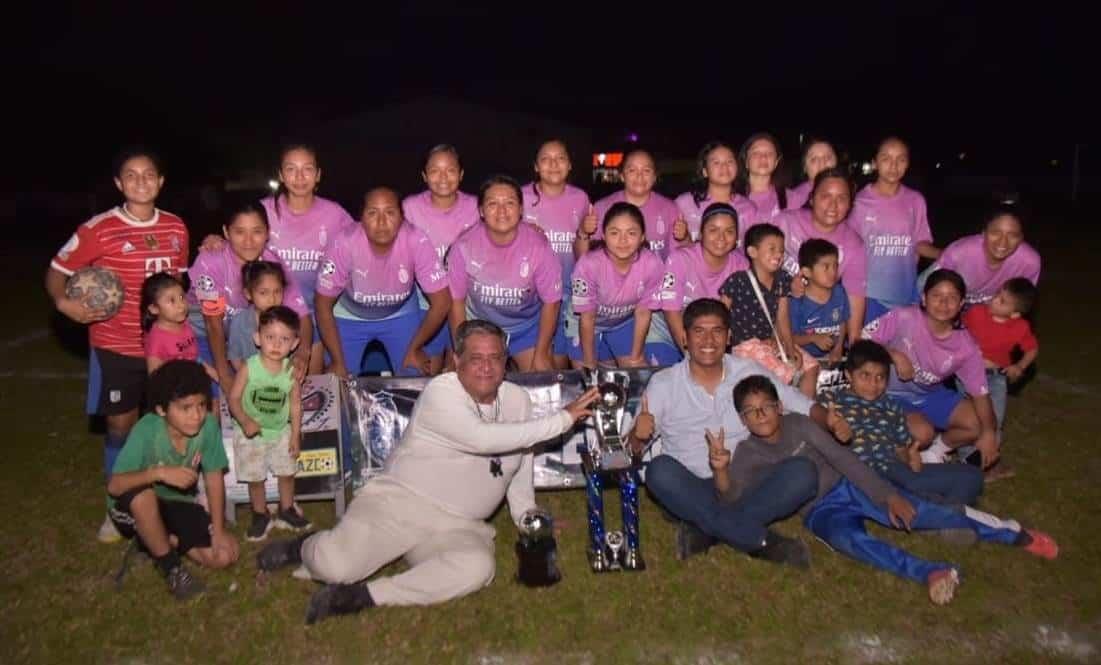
[{"x": 467, "y": 447}]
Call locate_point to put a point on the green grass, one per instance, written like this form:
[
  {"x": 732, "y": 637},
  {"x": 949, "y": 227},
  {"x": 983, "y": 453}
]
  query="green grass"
[{"x": 59, "y": 604}]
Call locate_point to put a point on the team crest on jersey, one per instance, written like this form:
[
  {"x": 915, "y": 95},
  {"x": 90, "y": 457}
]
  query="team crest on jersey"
[
  {"x": 668, "y": 280},
  {"x": 661, "y": 225},
  {"x": 836, "y": 315},
  {"x": 328, "y": 267},
  {"x": 69, "y": 248},
  {"x": 580, "y": 288},
  {"x": 870, "y": 328},
  {"x": 322, "y": 237},
  {"x": 204, "y": 284},
  {"x": 175, "y": 242},
  {"x": 947, "y": 364},
  {"x": 525, "y": 268},
  {"x": 128, "y": 247},
  {"x": 403, "y": 275},
  {"x": 151, "y": 241}
]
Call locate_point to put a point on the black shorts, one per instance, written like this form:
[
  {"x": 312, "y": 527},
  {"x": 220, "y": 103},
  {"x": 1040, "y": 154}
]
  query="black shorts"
[
  {"x": 116, "y": 383},
  {"x": 189, "y": 522}
]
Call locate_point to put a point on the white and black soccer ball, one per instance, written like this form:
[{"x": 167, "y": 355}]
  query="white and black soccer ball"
[
  {"x": 580, "y": 288},
  {"x": 328, "y": 268},
  {"x": 667, "y": 281},
  {"x": 204, "y": 283}
]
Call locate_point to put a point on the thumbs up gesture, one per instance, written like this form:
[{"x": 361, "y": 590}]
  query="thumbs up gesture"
[
  {"x": 717, "y": 454},
  {"x": 643, "y": 430},
  {"x": 588, "y": 222},
  {"x": 680, "y": 229},
  {"x": 837, "y": 424}
]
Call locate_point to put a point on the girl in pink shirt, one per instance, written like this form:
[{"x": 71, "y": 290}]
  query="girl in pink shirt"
[
  {"x": 167, "y": 334},
  {"x": 717, "y": 168},
  {"x": 818, "y": 155},
  {"x": 760, "y": 177}
]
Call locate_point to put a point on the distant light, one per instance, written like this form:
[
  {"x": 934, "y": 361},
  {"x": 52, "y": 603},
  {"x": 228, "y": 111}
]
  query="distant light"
[
  {"x": 273, "y": 185},
  {"x": 1055, "y": 162},
  {"x": 937, "y": 165},
  {"x": 963, "y": 155},
  {"x": 632, "y": 137},
  {"x": 601, "y": 157},
  {"x": 867, "y": 168}
]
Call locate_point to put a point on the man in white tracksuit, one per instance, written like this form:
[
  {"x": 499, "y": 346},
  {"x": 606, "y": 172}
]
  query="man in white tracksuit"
[{"x": 467, "y": 446}]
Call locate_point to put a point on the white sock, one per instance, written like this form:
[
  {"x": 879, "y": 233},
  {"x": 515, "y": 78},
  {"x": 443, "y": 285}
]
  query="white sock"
[{"x": 936, "y": 453}]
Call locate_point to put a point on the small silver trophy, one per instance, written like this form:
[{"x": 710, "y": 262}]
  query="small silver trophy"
[
  {"x": 610, "y": 453},
  {"x": 537, "y": 550}
]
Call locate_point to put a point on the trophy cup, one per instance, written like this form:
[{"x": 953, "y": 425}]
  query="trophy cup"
[
  {"x": 610, "y": 454},
  {"x": 537, "y": 549}
]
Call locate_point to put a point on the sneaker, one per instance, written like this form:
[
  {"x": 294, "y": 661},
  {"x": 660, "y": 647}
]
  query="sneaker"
[
  {"x": 182, "y": 584},
  {"x": 781, "y": 549},
  {"x": 291, "y": 519},
  {"x": 108, "y": 533},
  {"x": 942, "y": 585},
  {"x": 691, "y": 541},
  {"x": 335, "y": 599},
  {"x": 937, "y": 453},
  {"x": 1041, "y": 545},
  {"x": 261, "y": 525},
  {"x": 281, "y": 553}
]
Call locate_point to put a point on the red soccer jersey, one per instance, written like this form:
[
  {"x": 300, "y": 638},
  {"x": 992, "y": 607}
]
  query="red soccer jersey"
[
  {"x": 997, "y": 339},
  {"x": 133, "y": 250}
]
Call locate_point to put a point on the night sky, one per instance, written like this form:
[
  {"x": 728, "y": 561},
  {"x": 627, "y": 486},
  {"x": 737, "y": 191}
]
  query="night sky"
[{"x": 207, "y": 87}]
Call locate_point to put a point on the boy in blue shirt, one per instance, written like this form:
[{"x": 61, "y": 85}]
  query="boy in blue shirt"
[{"x": 819, "y": 316}]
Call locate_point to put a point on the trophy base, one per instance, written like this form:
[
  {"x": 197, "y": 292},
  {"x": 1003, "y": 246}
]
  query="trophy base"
[{"x": 605, "y": 561}]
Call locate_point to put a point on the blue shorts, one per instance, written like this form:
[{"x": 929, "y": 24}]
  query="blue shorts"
[
  {"x": 207, "y": 356},
  {"x": 116, "y": 383},
  {"x": 565, "y": 330},
  {"x": 873, "y": 309},
  {"x": 523, "y": 339},
  {"x": 936, "y": 405},
  {"x": 394, "y": 334},
  {"x": 617, "y": 342}
]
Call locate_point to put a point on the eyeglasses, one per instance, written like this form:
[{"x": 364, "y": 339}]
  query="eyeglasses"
[{"x": 766, "y": 409}]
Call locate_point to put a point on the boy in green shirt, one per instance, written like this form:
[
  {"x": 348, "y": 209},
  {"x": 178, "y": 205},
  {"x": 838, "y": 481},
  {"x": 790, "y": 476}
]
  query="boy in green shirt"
[
  {"x": 267, "y": 406},
  {"x": 152, "y": 488}
]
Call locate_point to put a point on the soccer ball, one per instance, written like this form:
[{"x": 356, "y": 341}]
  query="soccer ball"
[{"x": 96, "y": 288}]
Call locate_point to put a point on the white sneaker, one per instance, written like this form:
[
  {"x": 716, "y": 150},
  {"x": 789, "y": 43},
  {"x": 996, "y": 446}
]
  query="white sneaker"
[
  {"x": 937, "y": 453},
  {"x": 107, "y": 533}
]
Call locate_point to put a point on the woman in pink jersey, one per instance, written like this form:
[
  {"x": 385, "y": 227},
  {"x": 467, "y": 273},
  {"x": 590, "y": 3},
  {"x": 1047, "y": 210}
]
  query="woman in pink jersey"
[
  {"x": 716, "y": 170},
  {"x": 830, "y": 202},
  {"x": 818, "y": 155},
  {"x": 505, "y": 272},
  {"x": 558, "y": 209},
  {"x": 444, "y": 213},
  {"x": 928, "y": 346},
  {"x": 216, "y": 294},
  {"x": 698, "y": 271},
  {"x": 615, "y": 290},
  {"x": 366, "y": 291},
  {"x": 893, "y": 222},
  {"x": 760, "y": 177},
  {"x": 987, "y": 260}
]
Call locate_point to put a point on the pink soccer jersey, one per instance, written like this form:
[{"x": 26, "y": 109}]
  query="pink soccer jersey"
[
  {"x": 689, "y": 278},
  {"x": 442, "y": 226},
  {"x": 599, "y": 287},
  {"x": 558, "y": 216},
  {"x": 505, "y": 284},
  {"x": 216, "y": 276},
  {"x": 300, "y": 238},
  {"x": 659, "y": 213},
  {"x": 767, "y": 205},
  {"x": 799, "y": 195},
  {"x": 904, "y": 329},
  {"x": 968, "y": 257},
  {"x": 891, "y": 229},
  {"x": 692, "y": 212},
  {"x": 377, "y": 287},
  {"x": 798, "y": 228}
]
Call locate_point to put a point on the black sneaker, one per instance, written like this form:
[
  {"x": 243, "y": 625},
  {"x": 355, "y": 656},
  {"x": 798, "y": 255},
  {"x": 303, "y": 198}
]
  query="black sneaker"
[
  {"x": 261, "y": 524},
  {"x": 335, "y": 599},
  {"x": 182, "y": 584},
  {"x": 281, "y": 553},
  {"x": 781, "y": 549},
  {"x": 291, "y": 519},
  {"x": 691, "y": 541}
]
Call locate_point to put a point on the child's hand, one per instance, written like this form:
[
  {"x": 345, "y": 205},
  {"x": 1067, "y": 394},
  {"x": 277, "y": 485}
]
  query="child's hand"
[
  {"x": 680, "y": 229},
  {"x": 910, "y": 455},
  {"x": 211, "y": 372},
  {"x": 250, "y": 427},
  {"x": 79, "y": 312},
  {"x": 900, "y": 511},
  {"x": 1013, "y": 373},
  {"x": 213, "y": 243},
  {"x": 839, "y": 427},
  {"x": 418, "y": 360},
  {"x": 717, "y": 454},
  {"x": 300, "y": 364},
  {"x": 823, "y": 341},
  {"x": 180, "y": 477},
  {"x": 798, "y": 286},
  {"x": 589, "y": 222},
  {"x": 835, "y": 355},
  {"x": 987, "y": 445},
  {"x": 903, "y": 367}
]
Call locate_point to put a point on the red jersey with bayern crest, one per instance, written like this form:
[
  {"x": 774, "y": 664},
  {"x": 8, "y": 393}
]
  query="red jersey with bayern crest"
[{"x": 133, "y": 250}]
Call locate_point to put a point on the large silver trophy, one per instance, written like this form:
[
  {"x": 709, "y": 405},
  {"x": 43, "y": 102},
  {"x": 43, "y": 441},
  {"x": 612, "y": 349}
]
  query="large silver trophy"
[
  {"x": 537, "y": 549},
  {"x": 609, "y": 453}
]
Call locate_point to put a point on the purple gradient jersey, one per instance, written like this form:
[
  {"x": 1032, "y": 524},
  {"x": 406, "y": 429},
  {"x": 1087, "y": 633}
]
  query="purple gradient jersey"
[
  {"x": 852, "y": 263},
  {"x": 692, "y": 211},
  {"x": 968, "y": 257},
  {"x": 442, "y": 226},
  {"x": 799, "y": 195},
  {"x": 216, "y": 276},
  {"x": 689, "y": 278},
  {"x": 300, "y": 238},
  {"x": 505, "y": 284},
  {"x": 904, "y": 329},
  {"x": 659, "y": 213},
  {"x": 598, "y": 287},
  {"x": 559, "y": 217},
  {"x": 374, "y": 287},
  {"x": 767, "y": 205},
  {"x": 891, "y": 229}
]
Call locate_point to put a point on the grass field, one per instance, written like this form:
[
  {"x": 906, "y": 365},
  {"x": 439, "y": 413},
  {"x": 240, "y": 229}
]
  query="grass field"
[{"x": 60, "y": 606}]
